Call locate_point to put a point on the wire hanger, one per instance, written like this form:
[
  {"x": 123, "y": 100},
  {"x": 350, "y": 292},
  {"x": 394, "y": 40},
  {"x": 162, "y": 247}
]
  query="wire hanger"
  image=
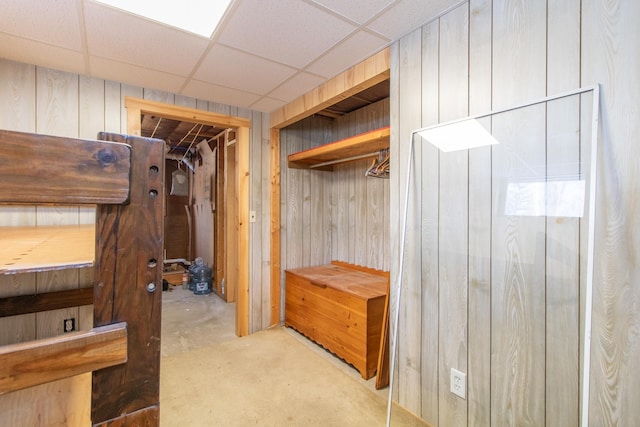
[{"x": 379, "y": 167}]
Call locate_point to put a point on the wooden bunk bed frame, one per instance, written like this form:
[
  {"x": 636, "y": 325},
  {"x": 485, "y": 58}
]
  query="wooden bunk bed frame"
[{"x": 124, "y": 177}]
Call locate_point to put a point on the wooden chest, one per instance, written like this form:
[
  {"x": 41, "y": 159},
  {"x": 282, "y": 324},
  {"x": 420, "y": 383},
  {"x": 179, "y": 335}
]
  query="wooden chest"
[{"x": 339, "y": 306}]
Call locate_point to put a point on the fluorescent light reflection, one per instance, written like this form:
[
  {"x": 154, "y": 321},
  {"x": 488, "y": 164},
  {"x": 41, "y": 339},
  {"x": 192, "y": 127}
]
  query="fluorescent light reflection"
[
  {"x": 546, "y": 198},
  {"x": 195, "y": 16},
  {"x": 462, "y": 135}
]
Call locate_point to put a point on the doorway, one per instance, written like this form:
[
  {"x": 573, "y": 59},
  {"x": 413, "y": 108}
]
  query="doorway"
[{"x": 234, "y": 217}]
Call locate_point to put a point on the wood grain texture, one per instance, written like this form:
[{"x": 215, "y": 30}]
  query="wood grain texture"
[
  {"x": 242, "y": 236},
  {"x": 72, "y": 170},
  {"x": 518, "y": 282},
  {"x": 410, "y": 325},
  {"x": 479, "y": 330},
  {"x": 610, "y": 45},
  {"x": 275, "y": 242},
  {"x": 429, "y": 164},
  {"x": 361, "y": 144},
  {"x": 341, "y": 308},
  {"x": 64, "y": 402},
  {"x": 38, "y": 362},
  {"x": 368, "y": 73},
  {"x": 128, "y": 257},
  {"x": 453, "y": 230},
  {"x": 31, "y": 249},
  {"x": 24, "y": 304},
  {"x": 18, "y": 93}
]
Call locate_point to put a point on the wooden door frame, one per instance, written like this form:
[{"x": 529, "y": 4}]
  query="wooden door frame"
[
  {"x": 136, "y": 107},
  {"x": 364, "y": 75}
]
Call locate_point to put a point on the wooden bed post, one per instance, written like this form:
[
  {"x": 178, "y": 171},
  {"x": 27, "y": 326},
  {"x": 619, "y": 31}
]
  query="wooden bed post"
[{"x": 128, "y": 288}]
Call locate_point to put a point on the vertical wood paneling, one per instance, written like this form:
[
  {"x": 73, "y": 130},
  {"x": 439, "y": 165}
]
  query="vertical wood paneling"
[
  {"x": 293, "y": 207},
  {"x": 18, "y": 95},
  {"x": 479, "y": 330},
  {"x": 320, "y": 187},
  {"x": 112, "y": 107},
  {"x": 57, "y": 103},
  {"x": 611, "y": 42},
  {"x": 255, "y": 234},
  {"x": 91, "y": 111},
  {"x": 265, "y": 222},
  {"x": 563, "y": 234},
  {"x": 430, "y": 213},
  {"x": 563, "y": 264},
  {"x": 394, "y": 213},
  {"x": 518, "y": 284},
  {"x": 453, "y": 216},
  {"x": 518, "y": 276},
  {"x": 305, "y": 202},
  {"x": 410, "y": 325}
]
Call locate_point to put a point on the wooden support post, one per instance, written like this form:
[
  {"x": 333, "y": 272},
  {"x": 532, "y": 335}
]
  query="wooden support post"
[{"x": 129, "y": 242}]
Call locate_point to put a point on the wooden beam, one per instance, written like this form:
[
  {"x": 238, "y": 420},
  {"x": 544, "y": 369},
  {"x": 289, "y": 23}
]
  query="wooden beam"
[
  {"x": 72, "y": 171},
  {"x": 362, "y": 76},
  {"x": 275, "y": 228},
  {"x": 38, "y": 362},
  {"x": 128, "y": 266},
  {"x": 242, "y": 179},
  {"x": 24, "y": 304},
  {"x": 175, "y": 112}
]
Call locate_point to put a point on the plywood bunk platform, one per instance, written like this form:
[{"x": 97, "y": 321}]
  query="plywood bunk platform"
[
  {"x": 341, "y": 307},
  {"x": 123, "y": 177},
  {"x": 34, "y": 249}
]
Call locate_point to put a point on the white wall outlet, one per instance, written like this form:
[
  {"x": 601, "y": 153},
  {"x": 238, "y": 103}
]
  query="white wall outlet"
[
  {"x": 458, "y": 383},
  {"x": 252, "y": 216}
]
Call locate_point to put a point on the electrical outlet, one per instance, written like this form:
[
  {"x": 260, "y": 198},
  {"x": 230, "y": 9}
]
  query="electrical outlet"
[
  {"x": 458, "y": 383},
  {"x": 252, "y": 216},
  {"x": 69, "y": 325}
]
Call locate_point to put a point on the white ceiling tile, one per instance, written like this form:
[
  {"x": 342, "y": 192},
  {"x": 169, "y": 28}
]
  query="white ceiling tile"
[
  {"x": 359, "y": 11},
  {"x": 407, "y": 15},
  {"x": 224, "y": 95},
  {"x": 295, "y": 86},
  {"x": 230, "y": 67},
  {"x": 53, "y": 22},
  {"x": 267, "y": 104},
  {"x": 355, "y": 49},
  {"x": 42, "y": 54},
  {"x": 128, "y": 38},
  {"x": 132, "y": 74},
  {"x": 288, "y": 31}
]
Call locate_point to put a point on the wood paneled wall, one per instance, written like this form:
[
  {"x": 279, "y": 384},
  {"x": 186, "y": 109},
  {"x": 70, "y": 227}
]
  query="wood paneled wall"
[
  {"x": 517, "y": 336},
  {"x": 339, "y": 215},
  {"x": 35, "y": 99}
]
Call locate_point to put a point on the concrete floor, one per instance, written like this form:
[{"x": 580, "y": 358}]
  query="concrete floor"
[{"x": 210, "y": 377}]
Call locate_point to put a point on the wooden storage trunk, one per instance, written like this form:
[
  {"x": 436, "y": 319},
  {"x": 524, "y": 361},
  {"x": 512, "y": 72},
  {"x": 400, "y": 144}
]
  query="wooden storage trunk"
[{"x": 339, "y": 306}]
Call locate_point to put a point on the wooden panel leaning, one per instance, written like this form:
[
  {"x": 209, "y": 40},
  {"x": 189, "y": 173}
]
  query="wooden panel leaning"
[
  {"x": 339, "y": 306},
  {"x": 129, "y": 242}
]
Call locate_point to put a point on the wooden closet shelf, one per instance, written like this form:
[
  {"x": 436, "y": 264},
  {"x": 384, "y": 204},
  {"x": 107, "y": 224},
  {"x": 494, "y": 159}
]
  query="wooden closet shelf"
[
  {"x": 31, "y": 249},
  {"x": 356, "y": 147}
]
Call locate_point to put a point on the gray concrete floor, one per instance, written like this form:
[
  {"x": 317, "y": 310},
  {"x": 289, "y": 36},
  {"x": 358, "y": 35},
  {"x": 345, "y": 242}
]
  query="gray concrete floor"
[{"x": 210, "y": 377}]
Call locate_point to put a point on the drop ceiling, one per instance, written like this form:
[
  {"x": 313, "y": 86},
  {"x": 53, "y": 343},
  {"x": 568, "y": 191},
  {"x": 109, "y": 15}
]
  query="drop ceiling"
[{"x": 264, "y": 54}]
